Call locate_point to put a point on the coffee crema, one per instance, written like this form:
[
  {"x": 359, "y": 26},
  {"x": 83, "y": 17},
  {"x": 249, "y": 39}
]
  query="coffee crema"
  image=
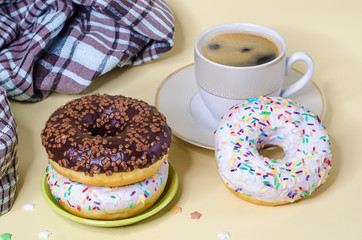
[{"x": 239, "y": 49}]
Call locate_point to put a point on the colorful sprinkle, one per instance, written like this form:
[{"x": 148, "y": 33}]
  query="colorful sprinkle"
[
  {"x": 195, "y": 215},
  {"x": 5, "y": 236}
]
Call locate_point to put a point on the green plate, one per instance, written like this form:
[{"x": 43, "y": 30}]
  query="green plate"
[{"x": 165, "y": 198}]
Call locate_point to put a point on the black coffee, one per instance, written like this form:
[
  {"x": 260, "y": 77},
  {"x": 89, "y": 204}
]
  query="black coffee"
[{"x": 239, "y": 49}]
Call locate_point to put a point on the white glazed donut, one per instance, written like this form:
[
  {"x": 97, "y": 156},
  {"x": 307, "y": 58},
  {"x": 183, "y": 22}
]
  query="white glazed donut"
[
  {"x": 247, "y": 127},
  {"x": 97, "y": 202}
]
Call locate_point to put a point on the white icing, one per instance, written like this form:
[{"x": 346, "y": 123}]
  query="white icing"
[
  {"x": 87, "y": 197},
  {"x": 254, "y": 123}
]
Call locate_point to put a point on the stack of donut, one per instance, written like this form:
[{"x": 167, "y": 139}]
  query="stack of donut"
[{"x": 107, "y": 156}]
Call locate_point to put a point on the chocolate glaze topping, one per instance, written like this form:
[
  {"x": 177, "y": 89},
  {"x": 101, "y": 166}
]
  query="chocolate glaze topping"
[{"x": 106, "y": 134}]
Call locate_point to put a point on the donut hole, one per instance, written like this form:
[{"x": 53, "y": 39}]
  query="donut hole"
[
  {"x": 104, "y": 131},
  {"x": 272, "y": 152},
  {"x": 105, "y": 124}
]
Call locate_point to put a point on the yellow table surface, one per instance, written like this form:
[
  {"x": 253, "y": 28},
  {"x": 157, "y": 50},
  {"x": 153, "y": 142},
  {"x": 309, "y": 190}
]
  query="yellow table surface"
[{"x": 329, "y": 31}]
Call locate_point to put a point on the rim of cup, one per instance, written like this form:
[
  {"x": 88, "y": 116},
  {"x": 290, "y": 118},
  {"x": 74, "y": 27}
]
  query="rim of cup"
[{"x": 243, "y": 27}]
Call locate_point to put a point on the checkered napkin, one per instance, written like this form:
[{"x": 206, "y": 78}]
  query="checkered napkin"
[
  {"x": 62, "y": 45},
  {"x": 8, "y": 155}
]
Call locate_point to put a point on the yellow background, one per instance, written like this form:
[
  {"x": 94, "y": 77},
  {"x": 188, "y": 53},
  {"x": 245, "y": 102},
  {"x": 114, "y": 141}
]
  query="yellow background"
[{"x": 329, "y": 31}]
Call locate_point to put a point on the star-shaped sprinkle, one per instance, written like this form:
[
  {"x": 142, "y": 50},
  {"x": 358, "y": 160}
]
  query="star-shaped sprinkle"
[
  {"x": 195, "y": 215},
  {"x": 5, "y": 236},
  {"x": 44, "y": 234},
  {"x": 223, "y": 235},
  {"x": 29, "y": 206},
  {"x": 176, "y": 209}
]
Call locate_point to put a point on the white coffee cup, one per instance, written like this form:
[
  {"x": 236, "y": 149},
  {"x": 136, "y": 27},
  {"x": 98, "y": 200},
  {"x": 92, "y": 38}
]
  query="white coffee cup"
[{"x": 222, "y": 86}]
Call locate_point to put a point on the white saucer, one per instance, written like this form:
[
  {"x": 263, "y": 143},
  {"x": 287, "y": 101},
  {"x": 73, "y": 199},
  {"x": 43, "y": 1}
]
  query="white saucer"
[{"x": 177, "y": 98}]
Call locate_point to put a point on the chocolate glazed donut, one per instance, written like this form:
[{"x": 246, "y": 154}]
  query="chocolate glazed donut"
[{"x": 106, "y": 140}]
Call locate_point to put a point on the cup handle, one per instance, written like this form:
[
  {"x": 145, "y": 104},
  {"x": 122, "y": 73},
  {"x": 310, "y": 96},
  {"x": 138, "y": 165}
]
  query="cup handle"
[{"x": 298, "y": 56}]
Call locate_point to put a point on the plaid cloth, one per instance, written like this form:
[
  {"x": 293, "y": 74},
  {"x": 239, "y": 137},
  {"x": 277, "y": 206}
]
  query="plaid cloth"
[
  {"x": 8, "y": 155},
  {"x": 62, "y": 45}
]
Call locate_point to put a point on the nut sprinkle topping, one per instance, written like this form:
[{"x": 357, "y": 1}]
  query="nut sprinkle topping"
[{"x": 105, "y": 134}]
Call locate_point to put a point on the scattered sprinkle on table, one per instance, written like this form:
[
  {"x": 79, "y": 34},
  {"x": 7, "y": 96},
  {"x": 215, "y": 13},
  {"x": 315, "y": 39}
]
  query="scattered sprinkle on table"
[
  {"x": 44, "y": 234},
  {"x": 176, "y": 209},
  {"x": 195, "y": 215},
  {"x": 5, "y": 236},
  {"x": 29, "y": 206},
  {"x": 223, "y": 235}
]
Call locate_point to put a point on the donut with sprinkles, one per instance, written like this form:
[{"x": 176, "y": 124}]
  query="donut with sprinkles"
[
  {"x": 96, "y": 202},
  {"x": 272, "y": 121},
  {"x": 106, "y": 140}
]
